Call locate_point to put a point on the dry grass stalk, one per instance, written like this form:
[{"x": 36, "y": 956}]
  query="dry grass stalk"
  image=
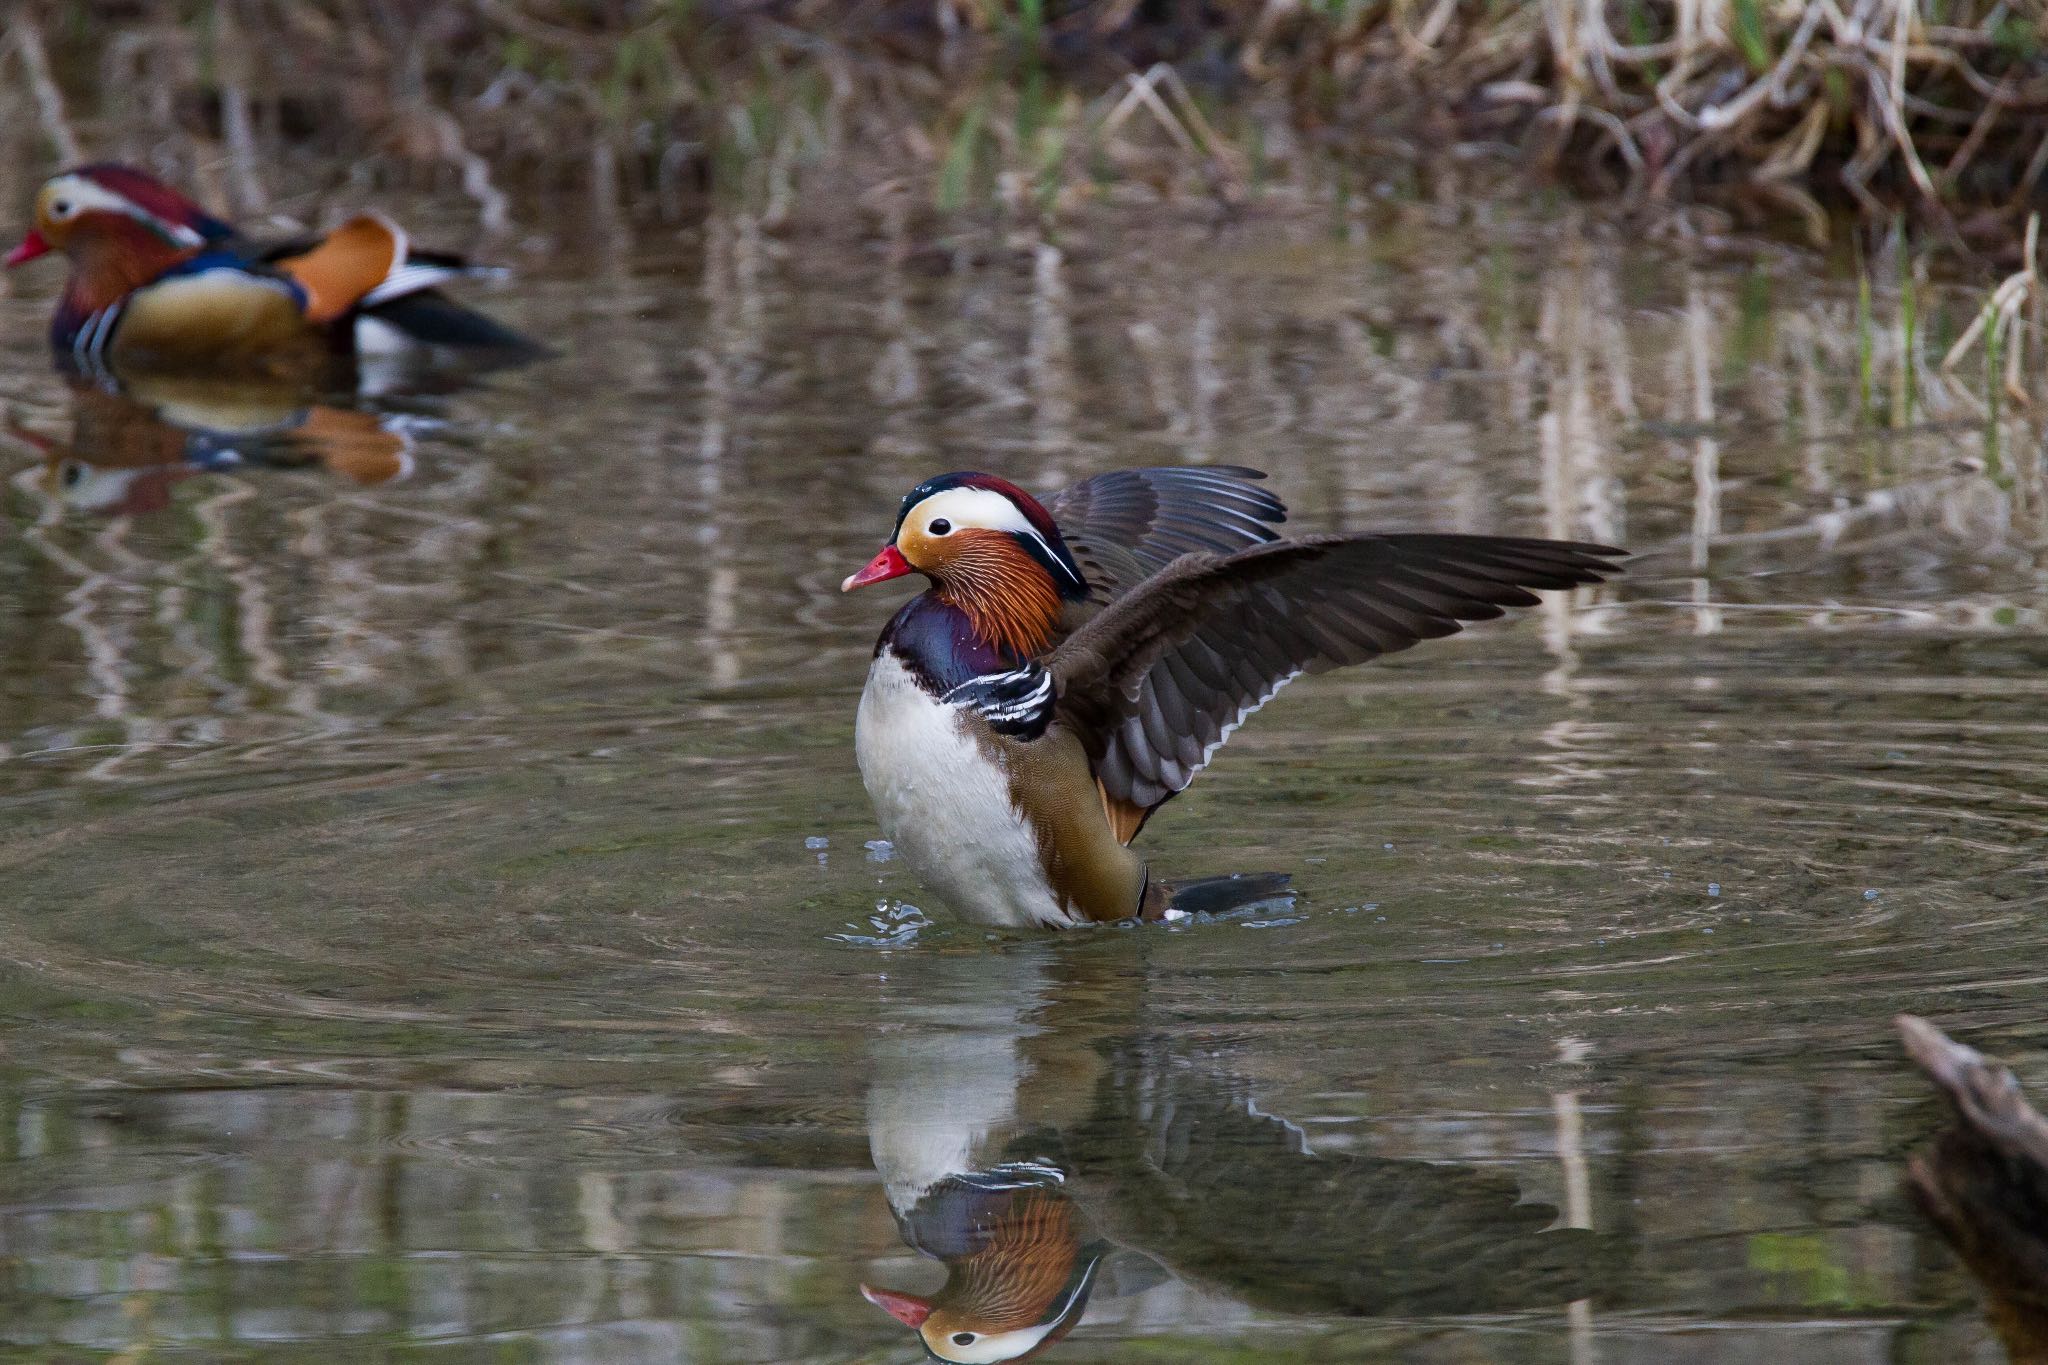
[{"x": 1997, "y": 324}]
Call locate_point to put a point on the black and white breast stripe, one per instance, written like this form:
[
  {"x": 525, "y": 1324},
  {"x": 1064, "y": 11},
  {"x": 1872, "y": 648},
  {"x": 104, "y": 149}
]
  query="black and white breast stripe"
[
  {"x": 90, "y": 343},
  {"x": 1018, "y": 704}
]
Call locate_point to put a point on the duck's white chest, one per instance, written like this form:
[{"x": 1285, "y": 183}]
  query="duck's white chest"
[{"x": 944, "y": 802}]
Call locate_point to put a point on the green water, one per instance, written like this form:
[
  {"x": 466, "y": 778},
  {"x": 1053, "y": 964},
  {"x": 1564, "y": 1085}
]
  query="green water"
[{"x": 440, "y": 922}]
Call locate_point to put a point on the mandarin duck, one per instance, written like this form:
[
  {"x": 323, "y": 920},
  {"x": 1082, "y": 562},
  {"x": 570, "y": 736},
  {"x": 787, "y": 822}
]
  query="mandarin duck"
[
  {"x": 156, "y": 281},
  {"x": 1075, "y": 663},
  {"x": 1984, "y": 1185}
]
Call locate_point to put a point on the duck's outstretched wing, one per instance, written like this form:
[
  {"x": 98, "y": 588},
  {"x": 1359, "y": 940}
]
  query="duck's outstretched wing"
[
  {"x": 1128, "y": 524},
  {"x": 1157, "y": 680},
  {"x": 1237, "y": 1200}
]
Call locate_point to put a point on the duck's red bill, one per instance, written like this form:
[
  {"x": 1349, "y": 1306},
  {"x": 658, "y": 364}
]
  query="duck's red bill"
[
  {"x": 31, "y": 247},
  {"x": 907, "y": 1309},
  {"x": 890, "y": 563}
]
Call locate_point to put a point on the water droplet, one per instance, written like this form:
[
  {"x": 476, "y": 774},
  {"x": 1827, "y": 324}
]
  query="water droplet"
[
  {"x": 1713, "y": 888},
  {"x": 879, "y": 850},
  {"x": 1388, "y": 847},
  {"x": 1871, "y": 894},
  {"x": 817, "y": 841}
]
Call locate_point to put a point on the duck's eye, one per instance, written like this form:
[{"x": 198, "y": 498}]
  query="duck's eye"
[
  {"x": 73, "y": 475},
  {"x": 61, "y": 208},
  {"x": 940, "y": 527},
  {"x": 963, "y": 1338}
]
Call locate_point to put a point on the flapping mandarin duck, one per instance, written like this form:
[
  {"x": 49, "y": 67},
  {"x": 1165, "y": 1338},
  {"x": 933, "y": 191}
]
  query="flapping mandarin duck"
[
  {"x": 157, "y": 281},
  {"x": 1075, "y": 663}
]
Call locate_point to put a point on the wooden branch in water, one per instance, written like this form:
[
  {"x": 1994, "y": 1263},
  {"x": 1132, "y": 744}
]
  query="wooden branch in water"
[{"x": 1983, "y": 1183}]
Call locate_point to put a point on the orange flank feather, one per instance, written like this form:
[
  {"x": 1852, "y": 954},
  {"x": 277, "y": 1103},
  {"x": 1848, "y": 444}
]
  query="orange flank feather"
[
  {"x": 1126, "y": 818},
  {"x": 354, "y": 444},
  {"x": 349, "y": 262}
]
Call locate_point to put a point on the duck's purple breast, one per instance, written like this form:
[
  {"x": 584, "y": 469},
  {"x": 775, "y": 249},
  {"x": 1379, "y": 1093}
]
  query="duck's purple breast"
[{"x": 937, "y": 641}]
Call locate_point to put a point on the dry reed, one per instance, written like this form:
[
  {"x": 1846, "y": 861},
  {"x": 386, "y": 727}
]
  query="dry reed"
[{"x": 1799, "y": 107}]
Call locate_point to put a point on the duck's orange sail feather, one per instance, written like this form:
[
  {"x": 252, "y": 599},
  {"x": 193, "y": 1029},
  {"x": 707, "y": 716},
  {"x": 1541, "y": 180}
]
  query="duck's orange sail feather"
[{"x": 347, "y": 264}]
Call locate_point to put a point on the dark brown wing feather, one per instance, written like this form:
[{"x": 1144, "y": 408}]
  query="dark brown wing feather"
[
  {"x": 1156, "y": 681},
  {"x": 1125, "y": 525}
]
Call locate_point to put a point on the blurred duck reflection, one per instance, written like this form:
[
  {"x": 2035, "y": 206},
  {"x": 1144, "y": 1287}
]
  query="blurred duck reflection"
[
  {"x": 1983, "y": 1183},
  {"x": 1043, "y": 1165},
  {"x": 131, "y": 443}
]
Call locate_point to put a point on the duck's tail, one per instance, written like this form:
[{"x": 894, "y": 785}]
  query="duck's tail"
[
  {"x": 1215, "y": 895},
  {"x": 429, "y": 317}
]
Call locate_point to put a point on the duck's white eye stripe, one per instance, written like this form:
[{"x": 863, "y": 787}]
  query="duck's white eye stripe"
[
  {"x": 979, "y": 508},
  {"x": 1058, "y": 561},
  {"x": 80, "y": 194}
]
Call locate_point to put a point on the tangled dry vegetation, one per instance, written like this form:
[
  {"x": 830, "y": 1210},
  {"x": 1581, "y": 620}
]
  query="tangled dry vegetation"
[
  {"x": 1930, "y": 105},
  {"x": 1936, "y": 109}
]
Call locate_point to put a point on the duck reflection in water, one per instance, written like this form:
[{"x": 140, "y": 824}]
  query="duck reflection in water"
[
  {"x": 1983, "y": 1183},
  {"x": 1044, "y": 1164},
  {"x": 1020, "y": 1260},
  {"x": 131, "y": 444}
]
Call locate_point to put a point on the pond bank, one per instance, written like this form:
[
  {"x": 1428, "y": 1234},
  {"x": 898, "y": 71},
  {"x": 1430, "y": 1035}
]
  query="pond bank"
[{"x": 1797, "y": 116}]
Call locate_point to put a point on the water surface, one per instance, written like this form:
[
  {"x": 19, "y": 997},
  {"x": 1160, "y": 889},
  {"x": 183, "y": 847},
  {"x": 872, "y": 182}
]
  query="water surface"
[{"x": 442, "y": 923}]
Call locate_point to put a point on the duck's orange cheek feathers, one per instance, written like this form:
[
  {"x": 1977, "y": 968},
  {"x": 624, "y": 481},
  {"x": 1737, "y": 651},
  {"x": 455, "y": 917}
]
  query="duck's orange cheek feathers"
[{"x": 1013, "y": 600}]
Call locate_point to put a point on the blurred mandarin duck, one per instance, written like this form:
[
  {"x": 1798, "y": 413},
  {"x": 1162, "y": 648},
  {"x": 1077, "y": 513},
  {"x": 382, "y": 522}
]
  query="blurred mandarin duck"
[
  {"x": 1984, "y": 1184},
  {"x": 1075, "y": 664},
  {"x": 157, "y": 281}
]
